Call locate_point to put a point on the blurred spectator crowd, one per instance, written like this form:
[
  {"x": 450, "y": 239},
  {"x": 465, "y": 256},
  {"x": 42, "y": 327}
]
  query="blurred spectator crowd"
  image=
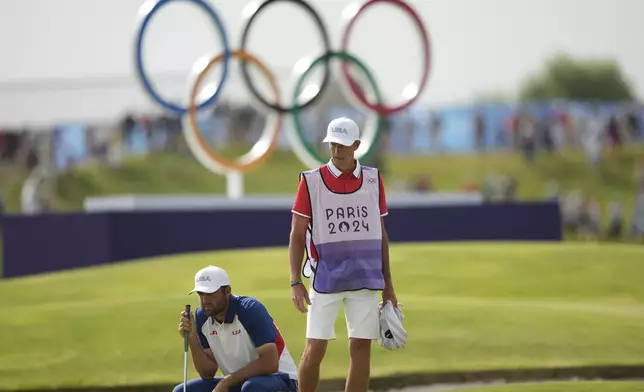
[
  {"x": 552, "y": 126},
  {"x": 19, "y": 147},
  {"x": 582, "y": 216}
]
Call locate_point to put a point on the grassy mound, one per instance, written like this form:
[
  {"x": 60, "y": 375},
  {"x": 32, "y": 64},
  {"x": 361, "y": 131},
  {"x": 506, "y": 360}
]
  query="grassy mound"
[
  {"x": 167, "y": 174},
  {"x": 11, "y": 180}
]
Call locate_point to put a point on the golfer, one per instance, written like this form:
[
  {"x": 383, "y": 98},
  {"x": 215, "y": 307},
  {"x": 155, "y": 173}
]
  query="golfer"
[
  {"x": 236, "y": 335},
  {"x": 337, "y": 219}
]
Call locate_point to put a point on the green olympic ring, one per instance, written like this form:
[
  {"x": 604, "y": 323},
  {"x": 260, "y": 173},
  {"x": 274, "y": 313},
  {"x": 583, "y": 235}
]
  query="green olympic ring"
[{"x": 372, "y": 132}]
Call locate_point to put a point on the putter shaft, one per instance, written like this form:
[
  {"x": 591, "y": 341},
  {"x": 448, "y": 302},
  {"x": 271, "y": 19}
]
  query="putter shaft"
[
  {"x": 185, "y": 352},
  {"x": 185, "y": 370}
]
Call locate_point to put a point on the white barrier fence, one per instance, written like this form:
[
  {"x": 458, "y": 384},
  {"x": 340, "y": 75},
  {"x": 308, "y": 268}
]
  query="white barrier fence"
[{"x": 209, "y": 202}]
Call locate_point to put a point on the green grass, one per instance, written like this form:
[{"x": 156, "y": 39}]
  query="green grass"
[
  {"x": 612, "y": 386},
  {"x": 165, "y": 173},
  {"x": 467, "y": 307},
  {"x": 11, "y": 180}
]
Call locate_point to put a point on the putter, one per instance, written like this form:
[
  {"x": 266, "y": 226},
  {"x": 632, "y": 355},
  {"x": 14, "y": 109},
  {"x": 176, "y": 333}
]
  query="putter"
[{"x": 185, "y": 352}]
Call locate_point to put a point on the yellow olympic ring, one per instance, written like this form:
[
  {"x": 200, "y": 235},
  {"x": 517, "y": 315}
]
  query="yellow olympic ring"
[{"x": 199, "y": 146}]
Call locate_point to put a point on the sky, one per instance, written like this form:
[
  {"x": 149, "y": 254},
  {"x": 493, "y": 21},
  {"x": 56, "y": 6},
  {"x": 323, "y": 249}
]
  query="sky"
[{"x": 73, "y": 60}]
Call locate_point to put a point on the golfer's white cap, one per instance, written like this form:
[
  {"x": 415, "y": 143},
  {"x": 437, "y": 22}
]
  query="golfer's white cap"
[
  {"x": 343, "y": 131},
  {"x": 210, "y": 279}
]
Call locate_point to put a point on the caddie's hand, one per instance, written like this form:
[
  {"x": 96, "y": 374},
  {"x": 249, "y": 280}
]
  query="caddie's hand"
[
  {"x": 388, "y": 294},
  {"x": 300, "y": 297},
  {"x": 187, "y": 324}
]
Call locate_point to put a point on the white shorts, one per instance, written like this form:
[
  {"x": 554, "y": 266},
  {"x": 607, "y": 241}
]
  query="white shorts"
[{"x": 362, "y": 312}]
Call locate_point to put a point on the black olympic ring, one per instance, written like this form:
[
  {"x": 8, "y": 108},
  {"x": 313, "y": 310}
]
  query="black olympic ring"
[{"x": 327, "y": 48}]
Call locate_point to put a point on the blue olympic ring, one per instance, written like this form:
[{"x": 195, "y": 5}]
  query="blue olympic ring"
[{"x": 139, "y": 58}]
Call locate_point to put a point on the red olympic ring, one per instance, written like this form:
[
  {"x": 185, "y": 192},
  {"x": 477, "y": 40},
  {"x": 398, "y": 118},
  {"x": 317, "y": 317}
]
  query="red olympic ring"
[{"x": 384, "y": 110}]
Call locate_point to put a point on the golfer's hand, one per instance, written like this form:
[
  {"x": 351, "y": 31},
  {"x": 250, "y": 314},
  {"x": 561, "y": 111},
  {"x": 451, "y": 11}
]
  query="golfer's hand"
[
  {"x": 300, "y": 297},
  {"x": 187, "y": 324},
  {"x": 223, "y": 385}
]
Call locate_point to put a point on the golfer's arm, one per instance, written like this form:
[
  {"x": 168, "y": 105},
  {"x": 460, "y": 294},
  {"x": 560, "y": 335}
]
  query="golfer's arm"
[
  {"x": 386, "y": 267},
  {"x": 204, "y": 362},
  {"x": 297, "y": 242},
  {"x": 267, "y": 363}
]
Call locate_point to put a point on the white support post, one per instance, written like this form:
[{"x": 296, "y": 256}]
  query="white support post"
[{"x": 235, "y": 185}]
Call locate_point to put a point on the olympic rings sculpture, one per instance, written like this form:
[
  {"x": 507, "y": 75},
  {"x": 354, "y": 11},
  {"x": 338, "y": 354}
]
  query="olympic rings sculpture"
[{"x": 373, "y": 104}]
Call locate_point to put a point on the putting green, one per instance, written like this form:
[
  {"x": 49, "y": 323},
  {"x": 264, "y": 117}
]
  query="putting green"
[{"x": 468, "y": 307}]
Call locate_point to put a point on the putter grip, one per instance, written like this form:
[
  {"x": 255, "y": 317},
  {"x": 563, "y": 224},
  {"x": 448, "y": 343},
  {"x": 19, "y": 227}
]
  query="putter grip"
[{"x": 186, "y": 335}]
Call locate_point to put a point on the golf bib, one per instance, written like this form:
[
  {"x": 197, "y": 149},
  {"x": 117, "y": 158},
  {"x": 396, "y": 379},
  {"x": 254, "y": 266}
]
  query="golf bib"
[{"x": 347, "y": 234}]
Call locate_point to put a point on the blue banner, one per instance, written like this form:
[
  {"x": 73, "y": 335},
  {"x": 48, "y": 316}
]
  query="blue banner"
[{"x": 53, "y": 242}]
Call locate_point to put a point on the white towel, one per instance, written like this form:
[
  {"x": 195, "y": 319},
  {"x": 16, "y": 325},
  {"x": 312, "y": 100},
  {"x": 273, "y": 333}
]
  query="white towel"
[{"x": 392, "y": 333}]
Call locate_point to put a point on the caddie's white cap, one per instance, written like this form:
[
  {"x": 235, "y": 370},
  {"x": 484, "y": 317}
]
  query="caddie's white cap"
[
  {"x": 343, "y": 131},
  {"x": 210, "y": 279}
]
